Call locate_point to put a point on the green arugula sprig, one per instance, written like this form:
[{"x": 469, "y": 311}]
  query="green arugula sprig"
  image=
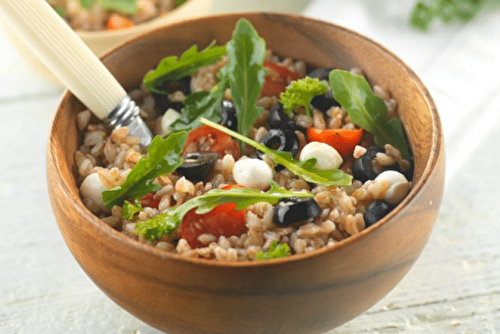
[
  {"x": 367, "y": 110},
  {"x": 172, "y": 68},
  {"x": 163, "y": 158},
  {"x": 129, "y": 209},
  {"x": 246, "y": 51},
  {"x": 301, "y": 92},
  {"x": 305, "y": 169},
  {"x": 275, "y": 251},
  {"x": 166, "y": 223}
]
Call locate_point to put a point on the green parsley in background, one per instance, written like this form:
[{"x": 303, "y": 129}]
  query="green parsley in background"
[{"x": 448, "y": 11}]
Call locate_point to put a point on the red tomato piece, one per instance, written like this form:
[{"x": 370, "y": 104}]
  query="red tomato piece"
[
  {"x": 207, "y": 139},
  {"x": 222, "y": 220},
  {"x": 343, "y": 140},
  {"x": 150, "y": 201},
  {"x": 277, "y": 79}
]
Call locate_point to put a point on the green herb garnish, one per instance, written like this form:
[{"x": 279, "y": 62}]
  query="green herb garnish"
[
  {"x": 172, "y": 68},
  {"x": 163, "y": 158},
  {"x": 301, "y": 92},
  {"x": 201, "y": 104},
  {"x": 246, "y": 52},
  {"x": 275, "y": 251},
  {"x": 305, "y": 169},
  {"x": 448, "y": 11},
  {"x": 367, "y": 110},
  {"x": 166, "y": 223},
  {"x": 129, "y": 209}
]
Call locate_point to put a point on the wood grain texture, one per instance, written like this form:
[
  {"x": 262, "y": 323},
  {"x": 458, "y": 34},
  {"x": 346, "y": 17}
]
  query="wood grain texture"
[{"x": 191, "y": 295}]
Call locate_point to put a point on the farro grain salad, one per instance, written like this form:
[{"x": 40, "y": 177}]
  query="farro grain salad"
[
  {"x": 111, "y": 14},
  {"x": 255, "y": 156}
]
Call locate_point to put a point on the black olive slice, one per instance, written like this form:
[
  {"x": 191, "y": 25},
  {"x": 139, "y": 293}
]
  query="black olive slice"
[
  {"x": 162, "y": 101},
  {"x": 376, "y": 211},
  {"x": 362, "y": 168},
  {"x": 197, "y": 166},
  {"x": 228, "y": 114},
  {"x": 320, "y": 73},
  {"x": 324, "y": 102},
  {"x": 293, "y": 210},
  {"x": 280, "y": 140}
]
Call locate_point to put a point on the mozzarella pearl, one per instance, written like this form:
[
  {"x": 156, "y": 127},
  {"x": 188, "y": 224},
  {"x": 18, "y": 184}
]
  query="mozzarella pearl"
[
  {"x": 167, "y": 119},
  {"x": 327, "y": 157},
  {"x": 398, "y": 186},
  {"x": 252, "y": 173},
  {"x": 91, "y": 190}
]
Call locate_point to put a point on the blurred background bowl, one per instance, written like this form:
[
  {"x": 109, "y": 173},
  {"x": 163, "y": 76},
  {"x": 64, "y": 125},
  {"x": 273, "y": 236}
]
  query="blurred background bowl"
[{"x": 307, "y": 293}]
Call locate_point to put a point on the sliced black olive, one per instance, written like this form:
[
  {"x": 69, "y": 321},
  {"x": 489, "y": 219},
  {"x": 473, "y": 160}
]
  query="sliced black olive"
[
  {"x": 293, "y": 210},
  {"x": 280, "y": 140},
  {"x": 279, "y": 120},
  {"x": 320, "y": 73},
  {"x": 362, "y": 168},
  {"x": 197, "y": 166},
  {"x": 376, "y": 211},
  {"x": 228, "y": 114},
  {"x": 163, "y": 102},
  {"x": 324, "y": 102},
  {"x": 409, "y": 172}
]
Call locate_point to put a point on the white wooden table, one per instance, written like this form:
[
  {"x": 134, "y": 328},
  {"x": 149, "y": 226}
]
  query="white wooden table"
[{"x": 453, "y": 288}]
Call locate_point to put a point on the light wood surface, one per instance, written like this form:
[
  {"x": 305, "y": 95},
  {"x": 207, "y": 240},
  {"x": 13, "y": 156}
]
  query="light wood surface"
[{"x": 452, "y": 288}]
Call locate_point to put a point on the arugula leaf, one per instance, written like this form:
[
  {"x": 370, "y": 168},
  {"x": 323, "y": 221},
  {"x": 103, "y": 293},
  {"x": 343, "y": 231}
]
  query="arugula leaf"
[
  {"x": 173, "y": 68},
  {"x": 246, "y": 52},
  {"x": 201, "y": 104},
  {"x": 129, "y": 209},
  {"x": 275, "y": 251},
  {"x": 367, "y": 110},
  {"x": 305, "y": 169},
  {"x": 163, "y": 157},
  {"x": 122, "y": 6},
  {"x": 166, "y": 223},
  {"x": 300, "y": 93}
]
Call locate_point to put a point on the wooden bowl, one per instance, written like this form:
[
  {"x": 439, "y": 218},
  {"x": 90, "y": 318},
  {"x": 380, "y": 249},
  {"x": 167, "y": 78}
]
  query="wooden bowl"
[{"x": 308, "y": 293}]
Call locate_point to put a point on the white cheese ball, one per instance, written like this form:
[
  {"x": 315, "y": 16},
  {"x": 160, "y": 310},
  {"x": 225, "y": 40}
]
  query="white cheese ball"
[
  {"x": 91, "y": 190},
  {"x": 398, "y": 186},
  {"x": 327, "y": 157},
  {"x": 168, "y": 118},
  {"x": 252, "y": 173}
]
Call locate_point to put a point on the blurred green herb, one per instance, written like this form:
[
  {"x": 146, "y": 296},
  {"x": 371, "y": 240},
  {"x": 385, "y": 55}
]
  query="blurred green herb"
[
  {"x": 166, "y": 223},
  {"x": 367, "y": 110},
  {"x": 275, "y": 251},
  {"x": 122, "y": 6},
  {"x": 163, "y": 157},
  {"x": 448, "y": 11}
]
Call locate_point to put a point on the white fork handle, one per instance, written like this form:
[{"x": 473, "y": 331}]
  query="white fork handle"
[{"x": 65, "y": 54}]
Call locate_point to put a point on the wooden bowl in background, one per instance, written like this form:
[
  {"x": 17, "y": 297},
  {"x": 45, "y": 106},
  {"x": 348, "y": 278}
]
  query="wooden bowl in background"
[{"x": 307, "y": 293}]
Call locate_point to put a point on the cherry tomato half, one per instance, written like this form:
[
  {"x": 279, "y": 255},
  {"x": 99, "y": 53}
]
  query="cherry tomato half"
[
  {"x": 150, "y": 201},
  {"x": 207, "y": 139},
  {"x": 222, "y": 220},
  {"x": 117, "y": 21},
  {"x": 277, "y": 79},
  {"x": 343, "y": 140}
]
